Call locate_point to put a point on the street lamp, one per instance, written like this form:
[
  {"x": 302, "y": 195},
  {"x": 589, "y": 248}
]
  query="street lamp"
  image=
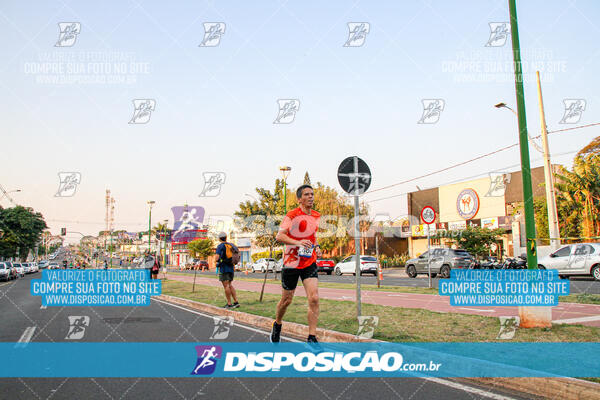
[
  {"x": 165, "y": 222},
  {"x": 285, "y": 171},
  {"x": 150, "y": 203}
]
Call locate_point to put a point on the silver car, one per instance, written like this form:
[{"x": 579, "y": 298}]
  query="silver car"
[
  {"x": 442, "y": 262},
  {"x": 574, "y": 259}
]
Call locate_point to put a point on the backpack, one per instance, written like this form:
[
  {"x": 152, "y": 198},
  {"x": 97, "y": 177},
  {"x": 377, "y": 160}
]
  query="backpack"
[{"x": 232, "y": 252}]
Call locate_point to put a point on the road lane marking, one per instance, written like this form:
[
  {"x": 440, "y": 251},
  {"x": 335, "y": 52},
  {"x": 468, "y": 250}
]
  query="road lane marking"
[
  {"x": 469, "y": 389},
  {"x": 26, "y": 337},
  {"x": 475, "y": 309},
  {"x": 43, "y": 307},
  {"x": 455, "y": 385},
  {"x": 235, "y": 323},
  {"x": 574, "y": 320}
]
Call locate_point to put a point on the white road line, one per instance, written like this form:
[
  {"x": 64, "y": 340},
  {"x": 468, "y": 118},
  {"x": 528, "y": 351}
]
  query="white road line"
[
  {"x": 574, "y": 320},
  {"x": 26, "y": 336},
  {"x": 455, "y": 385},
  {"x": 43, "y": 307},
  {"x": 475, "y": 309},
  {"x": 470, "y": 389}
]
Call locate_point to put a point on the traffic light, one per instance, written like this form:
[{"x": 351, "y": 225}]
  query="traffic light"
[{"x": 63, "y": 231}]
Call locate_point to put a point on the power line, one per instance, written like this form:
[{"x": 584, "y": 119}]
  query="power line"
[
  {"x": 466, "y": 178},
  {"x": 474, "y": 159}
]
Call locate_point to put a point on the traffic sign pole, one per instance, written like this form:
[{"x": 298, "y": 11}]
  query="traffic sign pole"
[
  {"x": 428, "y": 217},
  {"x": 354, "y": 177},
  {"x": 429, "y": 255},
  {"x": 357, "y": 238}
]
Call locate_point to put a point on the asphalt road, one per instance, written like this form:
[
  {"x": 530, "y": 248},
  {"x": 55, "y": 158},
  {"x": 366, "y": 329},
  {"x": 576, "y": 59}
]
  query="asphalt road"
[
  {"x": 162, "y": 322},
  {"x": 577, "y": 284}
]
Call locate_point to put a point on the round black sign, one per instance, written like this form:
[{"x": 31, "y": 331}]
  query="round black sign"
[{"x": 354, "y": 175}]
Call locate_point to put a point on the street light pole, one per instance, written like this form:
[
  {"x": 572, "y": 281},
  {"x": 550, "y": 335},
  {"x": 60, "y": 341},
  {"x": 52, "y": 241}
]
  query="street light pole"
[
  {"x": 150, "y": 203},
  {"x": 285, "y": 171},
  {"x": 554, "y": 231}
]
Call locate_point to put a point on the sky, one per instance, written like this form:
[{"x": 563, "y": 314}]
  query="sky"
[{"x": 67, "y": 105}]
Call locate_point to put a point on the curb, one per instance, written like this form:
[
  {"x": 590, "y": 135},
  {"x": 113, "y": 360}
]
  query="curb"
[
  {"x": 297, "y": 331},
  {"x": 552, "y": 388}
]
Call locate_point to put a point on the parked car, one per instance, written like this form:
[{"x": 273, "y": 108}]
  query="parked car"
[
  {"x": 53, "y": 265},
  {"x": 34, "y": 267},
  {"x": 574, "y": 259},
  {"x": 201, "y": 265},
  {"x": 13, "y": 270},
  {"x": 27, "y": 268},
  {"x": 442, "y": 262},
  {"x": 368, "y": 265},
  {"x": 279, "y": 265},
  {"x": 43, "y": 264},
  {"x": 263, "y": 264},
  {"x": 20, "y": 269},
  {"x": 326, "y": 266},
  {"x": 5, "y": 272}
]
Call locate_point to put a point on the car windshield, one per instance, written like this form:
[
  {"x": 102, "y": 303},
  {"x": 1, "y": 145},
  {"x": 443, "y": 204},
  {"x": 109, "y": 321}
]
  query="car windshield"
[{"x": 368, "y": 258}]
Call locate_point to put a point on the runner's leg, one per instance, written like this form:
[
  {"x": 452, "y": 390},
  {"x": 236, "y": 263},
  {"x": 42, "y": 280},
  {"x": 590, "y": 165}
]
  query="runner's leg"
[
  {"x": 286, "y": 299},
  {"x": 233, "y": 293},
  {"x": 312, "y": 292},
  {"x": 227, "y": 291}
]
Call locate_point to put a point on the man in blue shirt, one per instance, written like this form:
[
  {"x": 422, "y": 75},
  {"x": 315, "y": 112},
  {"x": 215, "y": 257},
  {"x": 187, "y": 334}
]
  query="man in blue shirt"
[{"x": 225, "y": 252}]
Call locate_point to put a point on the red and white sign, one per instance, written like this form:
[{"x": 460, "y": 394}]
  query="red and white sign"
[{"x": 428, "y": 215}]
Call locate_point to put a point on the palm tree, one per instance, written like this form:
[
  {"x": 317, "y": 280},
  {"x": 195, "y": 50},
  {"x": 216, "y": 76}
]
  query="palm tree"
[{"x": 579, "y": 193}]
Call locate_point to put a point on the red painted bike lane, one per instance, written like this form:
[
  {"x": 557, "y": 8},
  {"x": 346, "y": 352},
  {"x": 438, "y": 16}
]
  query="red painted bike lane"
[{"x": 569, "y": 313}]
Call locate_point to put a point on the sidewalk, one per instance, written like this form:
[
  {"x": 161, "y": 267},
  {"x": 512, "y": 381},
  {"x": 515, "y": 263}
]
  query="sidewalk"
[{"x": 568, "y": 313}]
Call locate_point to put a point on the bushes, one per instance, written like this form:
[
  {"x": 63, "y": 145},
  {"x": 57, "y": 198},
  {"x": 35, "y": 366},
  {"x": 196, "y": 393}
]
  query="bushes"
[
  {"x": 265, "y": 254},
  {"x": 397, "y": 260}
]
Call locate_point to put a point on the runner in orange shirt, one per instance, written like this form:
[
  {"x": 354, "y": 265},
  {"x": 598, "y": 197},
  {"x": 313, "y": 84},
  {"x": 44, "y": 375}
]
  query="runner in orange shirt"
[{"x": 298, "y": 231}]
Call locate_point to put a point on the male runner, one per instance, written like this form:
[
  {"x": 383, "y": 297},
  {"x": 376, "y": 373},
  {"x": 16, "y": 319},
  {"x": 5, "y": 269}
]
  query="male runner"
[{"x": 297, "y": 231}]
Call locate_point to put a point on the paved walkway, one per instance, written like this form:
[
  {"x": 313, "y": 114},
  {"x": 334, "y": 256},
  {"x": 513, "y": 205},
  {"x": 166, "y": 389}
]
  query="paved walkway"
[{"x": 569, "y": 313}]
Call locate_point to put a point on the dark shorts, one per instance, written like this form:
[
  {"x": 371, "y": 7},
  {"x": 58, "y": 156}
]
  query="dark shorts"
[
  {"x": 225, "y": 276},
  {"x": 289, "y": 276}
]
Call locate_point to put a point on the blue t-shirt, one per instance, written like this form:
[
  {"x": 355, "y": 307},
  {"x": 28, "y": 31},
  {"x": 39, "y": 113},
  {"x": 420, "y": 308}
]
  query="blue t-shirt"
[{"x": 223, "y": 263}]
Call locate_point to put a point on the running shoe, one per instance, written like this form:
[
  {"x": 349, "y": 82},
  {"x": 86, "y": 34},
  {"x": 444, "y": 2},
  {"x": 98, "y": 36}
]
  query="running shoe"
[
  {"x": 313, "y": 343},
  {"x": 228, "y": 306},
  {"x": 235, "y": 305},
  {"x": 275, "y": 332}
]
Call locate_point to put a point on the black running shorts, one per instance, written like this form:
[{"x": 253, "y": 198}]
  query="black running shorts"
[{"x": 289, "y": 276}]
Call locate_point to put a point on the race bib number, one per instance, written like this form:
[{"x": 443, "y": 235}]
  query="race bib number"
[{"x": 304, "y": 252}]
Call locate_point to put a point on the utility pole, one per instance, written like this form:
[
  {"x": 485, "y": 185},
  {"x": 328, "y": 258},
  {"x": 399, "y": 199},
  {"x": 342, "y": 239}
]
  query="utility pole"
[
  {"x": 530, "y": 317},
  {"x": 549, "y": 176}
]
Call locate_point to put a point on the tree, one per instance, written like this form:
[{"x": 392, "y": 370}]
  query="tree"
[
  {"x": 306, "y": 179},
  {"x": 22, "y": 228},
  {"x": 264, "y": 215},
  {"x": 476, "y": 240},
  {"x": 579, "y": 193},
  {"x": 201, "y": 248}
]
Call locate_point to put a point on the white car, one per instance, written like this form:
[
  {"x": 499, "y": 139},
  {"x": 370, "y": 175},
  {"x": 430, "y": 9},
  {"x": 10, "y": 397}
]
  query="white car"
[
  {"x": 53, "y": 266},
  {"x": 263, "y": 264},
  {"x": 26, "y": 268},
  {"x": 368, "y": 265},
  {"x": 574, "y": 259},
  {"x": 43, "y": 264},
  {"x": 34, "y": 267},
  {"x": 20, "y": 269}
]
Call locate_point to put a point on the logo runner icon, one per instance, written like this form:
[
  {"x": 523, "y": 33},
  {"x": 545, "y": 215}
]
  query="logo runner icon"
[
  {"x": 574, "y": 108},
  {"x": 142, "y": 110},
  {"x": 68, "y": 33},
  {"x": 212, "y": 184},
  {"x": 287, "y": 111},
  {"x": 77, "y": 325},
  {"x": 432, "y": 109},
  {"x": 68, "y": 183},
  {"x": 212, "y": 34},
  {"x": 499, "y": 32},
  {"x": 357, "y": 33},
  {"x": 207, "y": 359}
]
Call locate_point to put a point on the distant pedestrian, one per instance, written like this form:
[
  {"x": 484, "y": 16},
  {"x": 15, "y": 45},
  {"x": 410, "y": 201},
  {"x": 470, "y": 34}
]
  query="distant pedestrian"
[
  {"x": 105, "y": 264},
  {"x": 227, "y": 252},
  {"x": 121, "y": 262},
  {"x": 155, "y": 268}
]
